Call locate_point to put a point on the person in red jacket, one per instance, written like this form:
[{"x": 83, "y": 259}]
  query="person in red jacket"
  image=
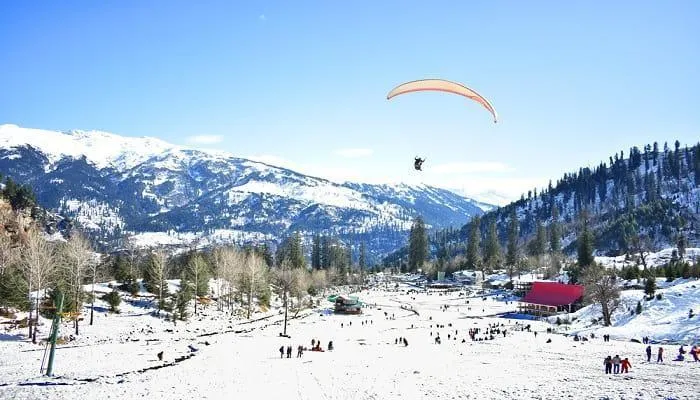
[{"x": 625, "y": 364}]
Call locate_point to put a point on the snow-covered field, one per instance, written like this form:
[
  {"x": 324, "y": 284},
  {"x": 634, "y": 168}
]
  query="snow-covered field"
[{"x": 240, "y": 359}]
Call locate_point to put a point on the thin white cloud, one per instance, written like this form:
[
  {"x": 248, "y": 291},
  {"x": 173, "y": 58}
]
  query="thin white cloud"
[
  {"x": 498, "y": 190},
  {"x": 470, "y": 167},
  {"x": 205, "y": 139},
  {"x": 262, "y": 17},
  {"x": 353, "y": 152}
]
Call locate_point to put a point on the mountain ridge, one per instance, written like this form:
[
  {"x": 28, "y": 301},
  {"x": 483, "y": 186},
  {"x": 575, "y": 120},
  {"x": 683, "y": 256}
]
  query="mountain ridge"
[{"x": 112, "y": 184}]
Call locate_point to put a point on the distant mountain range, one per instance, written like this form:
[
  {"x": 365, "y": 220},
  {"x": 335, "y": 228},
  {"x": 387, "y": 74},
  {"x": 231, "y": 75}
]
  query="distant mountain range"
[{"x": 168, "y": 194}]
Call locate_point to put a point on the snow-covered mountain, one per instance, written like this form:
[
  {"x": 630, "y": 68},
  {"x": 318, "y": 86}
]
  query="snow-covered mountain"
[{"x": 169, "y": 193}]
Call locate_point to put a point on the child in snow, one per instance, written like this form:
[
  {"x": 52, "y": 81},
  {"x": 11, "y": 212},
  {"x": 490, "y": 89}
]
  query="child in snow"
[
  {"x": 626, "y": 365},
  {"x": 608, "y": 364},
  {"x": 660, "y": 355},
  {"x": 648, "y": 353}
]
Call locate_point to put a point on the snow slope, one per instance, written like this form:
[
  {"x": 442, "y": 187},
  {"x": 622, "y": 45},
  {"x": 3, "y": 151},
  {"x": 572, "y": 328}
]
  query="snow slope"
[
  {"x": 365, "y": 364},
  {"x": 664, "y": 320},
  {"x": 653, "y": 259}
]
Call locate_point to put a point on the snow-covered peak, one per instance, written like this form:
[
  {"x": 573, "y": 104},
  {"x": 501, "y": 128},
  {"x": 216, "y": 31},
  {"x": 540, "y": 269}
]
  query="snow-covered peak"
[{"x": 100, "y": 148}]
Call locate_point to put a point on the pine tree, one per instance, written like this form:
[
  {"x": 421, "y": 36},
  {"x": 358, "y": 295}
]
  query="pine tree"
[
  {"x": 13, "y": 289},
  {"x": 539, "y": 243},
  {"x": 670, "y": 272},
  {"x": 197, "y": 274},
  {"x": 418, "y": 245},
  {"x": 512, "y": 249},
  {"x": 492, "y": 248},
  {"x": 362, "y": 262},
  {"x": 650, "y": 286},
  {"x": 325, "y": 256},
  {"x": 316, "y": 252},
  {"x": 473, "y": 256},
  {"x": 585, "y": 243},
  {"x": 555, "y": 231}
]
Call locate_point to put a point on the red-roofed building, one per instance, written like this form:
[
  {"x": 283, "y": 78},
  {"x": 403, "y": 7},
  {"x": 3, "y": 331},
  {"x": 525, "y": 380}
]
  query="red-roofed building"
[{"x": 547, "y": 298}]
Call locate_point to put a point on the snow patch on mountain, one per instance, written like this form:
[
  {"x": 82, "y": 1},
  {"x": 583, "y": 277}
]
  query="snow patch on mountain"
[
  {"x": 100, "y": 148},
  {"x": 93, "y": 215}
]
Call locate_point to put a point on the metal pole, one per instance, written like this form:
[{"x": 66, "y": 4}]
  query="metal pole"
[{"x": 54, "y": 333}]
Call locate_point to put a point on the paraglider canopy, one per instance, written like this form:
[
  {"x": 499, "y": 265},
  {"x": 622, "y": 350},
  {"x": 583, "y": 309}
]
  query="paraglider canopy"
[{"x": 442, "y": 85}]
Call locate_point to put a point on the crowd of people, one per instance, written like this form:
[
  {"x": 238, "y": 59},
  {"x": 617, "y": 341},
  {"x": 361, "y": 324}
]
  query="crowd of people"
[{"x": 315, "y": 346}]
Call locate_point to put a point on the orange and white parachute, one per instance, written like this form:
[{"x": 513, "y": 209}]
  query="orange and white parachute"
[{"x": 442, "y": 85}]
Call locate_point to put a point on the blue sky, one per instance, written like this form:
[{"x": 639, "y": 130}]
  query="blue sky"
[{"x": 303, "y": 83}]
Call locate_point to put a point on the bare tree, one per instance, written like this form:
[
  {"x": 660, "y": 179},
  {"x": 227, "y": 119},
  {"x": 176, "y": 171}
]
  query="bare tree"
[
  {"x": 253, "y": 278},
  {"x": 641, "y": 246},
  {"x": 37, "y": 259},
  {"x": 229, "y": 263},
  {"x": 196, "y": 268},
  {"x": 319, "y": 280},
  {"x": 132, "y": 256},
  {"x": 300, "y": 291},
  {"x": 601, "y": 288},
  {"x": 93, "y": 271},
  {"x": 77, "y": 256},
  {"x": 551, "y": 265},
  {"x": 286, "y": 283},
  {"x": 158, "y": 268}
]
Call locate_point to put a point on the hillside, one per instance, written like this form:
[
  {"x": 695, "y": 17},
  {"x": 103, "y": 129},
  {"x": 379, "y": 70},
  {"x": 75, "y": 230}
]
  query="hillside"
[
  {"x": 111, "y": 184},
  {"x": 663, "y": 319},
  {"x": 646, "y": 201}
]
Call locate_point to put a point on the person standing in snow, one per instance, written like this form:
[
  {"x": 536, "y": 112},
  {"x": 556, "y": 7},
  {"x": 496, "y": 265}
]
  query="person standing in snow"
[
  {"x": 626, "y": 365},
  {"x": 289, "y": 351},
  {"x": 648, "y": 353},
  {"x": 608, "y": 364},
  {"x": 660, "y": 356},
  {"x": 616, "y": 364},
  {"x": 282, "y": 352}
]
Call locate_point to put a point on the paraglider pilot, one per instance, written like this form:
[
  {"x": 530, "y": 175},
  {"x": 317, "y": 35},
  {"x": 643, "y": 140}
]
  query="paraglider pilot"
[{"x": 418, "y": 163}]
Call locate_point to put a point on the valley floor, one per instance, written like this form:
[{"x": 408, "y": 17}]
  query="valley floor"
[{"x": 365, "y": 364}]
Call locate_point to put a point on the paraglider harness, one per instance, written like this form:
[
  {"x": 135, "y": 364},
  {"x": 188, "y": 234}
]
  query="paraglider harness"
[{"x": 418, "y": 164}]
